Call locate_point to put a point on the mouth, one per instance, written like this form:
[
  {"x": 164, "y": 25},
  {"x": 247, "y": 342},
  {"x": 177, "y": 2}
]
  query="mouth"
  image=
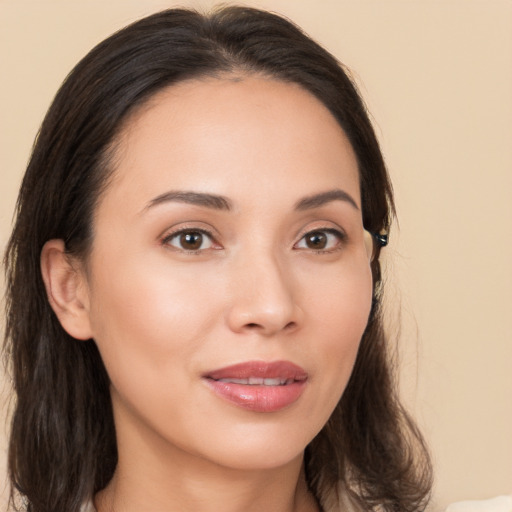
[
  {"x": 259, "y": 381},
  {"x": 258, "y": 386}
]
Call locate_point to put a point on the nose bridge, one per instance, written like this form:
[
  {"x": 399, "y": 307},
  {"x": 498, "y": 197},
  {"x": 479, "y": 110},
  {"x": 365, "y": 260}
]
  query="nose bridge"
[{"x": 263, "y": 297}]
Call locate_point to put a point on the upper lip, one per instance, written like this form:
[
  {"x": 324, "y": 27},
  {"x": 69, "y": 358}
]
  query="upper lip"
[{"x": 284, "y": 370}]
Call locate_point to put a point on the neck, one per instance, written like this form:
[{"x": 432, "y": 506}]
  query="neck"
[
  {"x": 156, "y": 476},
  {"x": 183, "y": 489}
]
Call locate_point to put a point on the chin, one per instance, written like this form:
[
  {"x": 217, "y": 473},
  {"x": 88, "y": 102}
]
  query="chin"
[
  {"x": 258, "y": 449},
  {"x": 247, "y": 460}
]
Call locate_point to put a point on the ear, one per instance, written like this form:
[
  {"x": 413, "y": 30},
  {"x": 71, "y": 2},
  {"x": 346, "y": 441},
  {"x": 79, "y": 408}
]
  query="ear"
[{"x": 67, "y": 290}]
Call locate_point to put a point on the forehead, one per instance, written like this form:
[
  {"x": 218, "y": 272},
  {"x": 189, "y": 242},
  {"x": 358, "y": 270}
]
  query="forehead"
[{"x": 217, "y": 134}]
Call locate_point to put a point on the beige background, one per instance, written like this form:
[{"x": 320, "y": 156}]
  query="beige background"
[{"x": 437, "y": 76}]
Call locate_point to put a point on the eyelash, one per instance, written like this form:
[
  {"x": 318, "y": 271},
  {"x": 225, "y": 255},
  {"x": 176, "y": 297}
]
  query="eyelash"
[{"x": 340, "y": 235}]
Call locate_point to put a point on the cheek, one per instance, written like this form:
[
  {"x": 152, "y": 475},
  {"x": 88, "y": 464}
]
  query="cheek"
[
  {"x": 149, "y": 327},
  {"x": 341, "y": 313},
  {"x": 146, "y": 321},
  {"x": 342, "y": 301}
]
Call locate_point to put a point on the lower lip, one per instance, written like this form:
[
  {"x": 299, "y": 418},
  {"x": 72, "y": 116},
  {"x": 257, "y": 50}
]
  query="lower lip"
[{"x": 258, "y": 398}]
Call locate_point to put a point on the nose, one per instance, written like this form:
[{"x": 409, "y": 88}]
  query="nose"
[{"x": 264, "y": 298}]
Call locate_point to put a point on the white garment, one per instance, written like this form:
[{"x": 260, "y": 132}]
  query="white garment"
[
  {"x": 88, "y": 507},
  {"x": 498, "y": 504}
]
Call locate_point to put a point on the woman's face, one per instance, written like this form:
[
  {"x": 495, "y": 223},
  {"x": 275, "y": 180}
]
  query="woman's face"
[{"x": 228, "y": 284}]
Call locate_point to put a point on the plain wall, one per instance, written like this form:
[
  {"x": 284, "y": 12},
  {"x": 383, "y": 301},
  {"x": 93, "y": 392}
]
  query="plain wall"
[{"x": 437, "y": 76}]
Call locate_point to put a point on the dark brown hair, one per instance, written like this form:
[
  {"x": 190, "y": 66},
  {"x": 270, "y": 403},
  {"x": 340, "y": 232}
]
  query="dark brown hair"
[{"x": 63, "y": 446}]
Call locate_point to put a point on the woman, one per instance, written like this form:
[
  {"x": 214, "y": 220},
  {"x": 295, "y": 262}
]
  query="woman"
[{"x": 193, "y": 293}]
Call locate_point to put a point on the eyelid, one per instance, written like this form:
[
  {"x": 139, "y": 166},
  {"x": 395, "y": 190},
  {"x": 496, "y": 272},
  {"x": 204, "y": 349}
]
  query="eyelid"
[{"x": 321, "y": 225}]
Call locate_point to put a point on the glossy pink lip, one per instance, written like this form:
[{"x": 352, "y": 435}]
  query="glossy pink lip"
[{"x": 283, "y": 385}]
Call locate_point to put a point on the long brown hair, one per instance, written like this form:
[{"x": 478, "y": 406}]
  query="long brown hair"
[{"x": 62, "y": 446}]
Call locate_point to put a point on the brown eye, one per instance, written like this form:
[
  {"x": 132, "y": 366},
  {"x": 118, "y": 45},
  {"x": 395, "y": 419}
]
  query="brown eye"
[
  {"x": 321, "y": 240},
  {"x": 190, "y": 240},
  {"x": 316, "y": 240}
]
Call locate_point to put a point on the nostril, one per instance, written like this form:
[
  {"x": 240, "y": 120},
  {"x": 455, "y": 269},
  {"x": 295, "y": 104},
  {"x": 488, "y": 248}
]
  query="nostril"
[{"x": 256, "y": 326}]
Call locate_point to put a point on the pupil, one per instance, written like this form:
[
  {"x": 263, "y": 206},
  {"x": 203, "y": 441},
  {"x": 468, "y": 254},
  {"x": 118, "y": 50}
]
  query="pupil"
[
  {"x": 317, "y": 240},
  {"x": 191, "y": 241}
]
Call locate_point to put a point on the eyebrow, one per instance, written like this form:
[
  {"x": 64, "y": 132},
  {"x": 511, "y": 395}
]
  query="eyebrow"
[
  {"x": 317, "y": 200},
  {"x": 196, "y": 198},
  {"x": 217, "y": 202}
]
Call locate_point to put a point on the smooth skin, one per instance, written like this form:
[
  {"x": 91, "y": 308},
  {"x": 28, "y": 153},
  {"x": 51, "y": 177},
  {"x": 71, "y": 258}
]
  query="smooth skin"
[{"x": 273, "y": 267}]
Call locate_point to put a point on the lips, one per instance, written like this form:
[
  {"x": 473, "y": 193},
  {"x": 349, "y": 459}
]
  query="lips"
[{"x": 259, "y": 386}]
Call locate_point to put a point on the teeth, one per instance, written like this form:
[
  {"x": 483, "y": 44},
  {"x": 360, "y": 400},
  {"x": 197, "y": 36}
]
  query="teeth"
[
  {"x": 235, "y": 381},
  {"x": 258, "y": 381}
]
